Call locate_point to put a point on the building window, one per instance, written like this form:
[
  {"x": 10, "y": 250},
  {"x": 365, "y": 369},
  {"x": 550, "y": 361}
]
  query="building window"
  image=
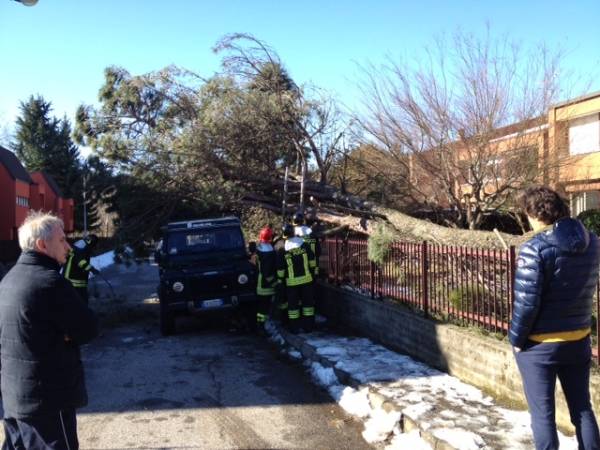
[
  {"x": 584, "y": 135},
  {"x": 584, "y": 201},
  {"x": 23, "y": 201}
]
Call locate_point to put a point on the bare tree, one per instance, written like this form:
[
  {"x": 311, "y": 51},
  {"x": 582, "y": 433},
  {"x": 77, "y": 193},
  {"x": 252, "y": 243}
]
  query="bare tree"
[{"x": 465, "y": 123}]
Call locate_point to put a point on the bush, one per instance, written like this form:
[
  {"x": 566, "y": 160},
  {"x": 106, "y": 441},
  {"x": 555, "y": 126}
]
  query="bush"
[
  {"x": 378, "y": 248},
  {"x": 463, "y": 298},
  {"x": 591, "y": 220}
]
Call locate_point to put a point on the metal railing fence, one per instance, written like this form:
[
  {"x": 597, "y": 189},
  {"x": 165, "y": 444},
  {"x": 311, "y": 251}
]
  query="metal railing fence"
[{"x": 466, "y": 286}]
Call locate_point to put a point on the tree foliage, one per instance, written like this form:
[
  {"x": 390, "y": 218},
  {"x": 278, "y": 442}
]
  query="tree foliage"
[
  {"x": 207, "y": 145},
  {"x": 43, "y": 143},
  {"x": 591, "y": 220}
]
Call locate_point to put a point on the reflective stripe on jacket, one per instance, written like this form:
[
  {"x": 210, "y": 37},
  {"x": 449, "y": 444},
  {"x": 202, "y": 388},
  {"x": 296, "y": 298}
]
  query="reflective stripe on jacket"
[
  {"x": 295, "y": 262},
  {"x": 77, "y": 268}
]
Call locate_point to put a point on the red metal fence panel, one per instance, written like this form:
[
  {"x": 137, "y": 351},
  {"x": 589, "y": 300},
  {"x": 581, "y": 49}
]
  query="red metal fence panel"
[{"x": 467, "y": 286}]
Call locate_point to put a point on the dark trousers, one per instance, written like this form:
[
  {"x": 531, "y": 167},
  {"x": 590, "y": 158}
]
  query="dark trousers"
[
  {"x": 297, "y": 297},
  {"x": 281, "y": 305},
  {"x": 540, "y": 364},
  {"x": 56, "y": 432},
  {"x": 263, "y": 309},
  {"x": 83, "y": 293}
]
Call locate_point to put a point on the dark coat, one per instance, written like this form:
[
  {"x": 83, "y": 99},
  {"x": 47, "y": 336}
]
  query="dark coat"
[
  {"x": 555, "y": 279},
  {"x": 41, "y": 372},
  {"x": 267, "y": 273}
]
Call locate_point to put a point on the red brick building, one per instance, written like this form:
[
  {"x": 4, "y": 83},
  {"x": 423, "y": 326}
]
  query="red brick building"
[{"x": 21, "y": 192}]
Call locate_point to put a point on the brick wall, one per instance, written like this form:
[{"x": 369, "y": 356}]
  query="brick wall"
[{"x": 482, "y": 361}]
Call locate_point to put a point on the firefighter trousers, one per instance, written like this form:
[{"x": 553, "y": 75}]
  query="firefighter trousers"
[
  {"x": 301, "y": 307},
  {"x": 263, "y": 309}
]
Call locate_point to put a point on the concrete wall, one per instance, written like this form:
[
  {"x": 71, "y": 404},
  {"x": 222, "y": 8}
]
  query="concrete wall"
[{"x": 482, "y": 361}]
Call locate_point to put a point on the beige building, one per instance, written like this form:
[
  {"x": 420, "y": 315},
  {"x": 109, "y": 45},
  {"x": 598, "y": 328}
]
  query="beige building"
[
  {"x": 565, "y": 144},
  {"x": 574, "y": 139}
]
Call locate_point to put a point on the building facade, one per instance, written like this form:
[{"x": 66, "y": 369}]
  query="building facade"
[
  {"x": 21, "y": 192},
  {"x": 560, "y": 149},
  {"x": 574, "y": 140}
]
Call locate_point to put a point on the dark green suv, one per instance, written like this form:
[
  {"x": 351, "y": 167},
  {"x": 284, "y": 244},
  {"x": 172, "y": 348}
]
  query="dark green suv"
[{"x": 204, "y": 268}]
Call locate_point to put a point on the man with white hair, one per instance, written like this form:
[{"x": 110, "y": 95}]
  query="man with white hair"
[{"x": 42, "y": 324}]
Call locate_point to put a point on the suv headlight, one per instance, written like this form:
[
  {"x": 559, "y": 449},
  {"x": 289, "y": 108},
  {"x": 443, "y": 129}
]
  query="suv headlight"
[
  {"x": 177, "y": 286},
  {"x": 243, "y": 278}
]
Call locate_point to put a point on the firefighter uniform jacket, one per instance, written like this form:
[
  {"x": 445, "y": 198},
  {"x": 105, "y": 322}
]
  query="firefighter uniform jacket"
[
  {"x": 295, "y": 262},
  {"x": 306, "y": 233},
  {"x": 266, "y": 264},
  {"x": 78, "y": 267}
]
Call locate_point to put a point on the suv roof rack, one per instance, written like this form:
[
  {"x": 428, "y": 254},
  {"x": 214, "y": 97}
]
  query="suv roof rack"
[{"x": 202, "y": 223}]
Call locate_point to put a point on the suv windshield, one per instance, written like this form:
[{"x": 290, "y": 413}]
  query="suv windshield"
[{"x": 200, "y": 241}]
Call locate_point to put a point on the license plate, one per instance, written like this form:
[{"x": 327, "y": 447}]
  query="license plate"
[{"x": 214, "y": 303}]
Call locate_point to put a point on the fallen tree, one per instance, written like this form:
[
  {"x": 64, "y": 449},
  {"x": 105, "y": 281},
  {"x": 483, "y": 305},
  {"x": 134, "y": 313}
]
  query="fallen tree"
[{"x": 344, "y": 212}]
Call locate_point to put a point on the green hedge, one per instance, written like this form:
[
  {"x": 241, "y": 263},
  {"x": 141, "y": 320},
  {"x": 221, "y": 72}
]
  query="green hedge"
[{"x": 591, "y": 219}]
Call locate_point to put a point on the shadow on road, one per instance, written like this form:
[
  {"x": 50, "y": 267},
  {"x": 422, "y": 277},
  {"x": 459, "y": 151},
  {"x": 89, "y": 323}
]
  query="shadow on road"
[{"x": 211, "y": 362}]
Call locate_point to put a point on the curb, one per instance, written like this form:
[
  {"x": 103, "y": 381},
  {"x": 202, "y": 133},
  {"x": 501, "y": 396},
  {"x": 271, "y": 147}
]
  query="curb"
[{"x": 377, "y": 400}]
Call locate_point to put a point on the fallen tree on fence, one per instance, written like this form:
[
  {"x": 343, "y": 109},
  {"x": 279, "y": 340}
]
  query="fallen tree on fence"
[{"x": 347, "y": 212}]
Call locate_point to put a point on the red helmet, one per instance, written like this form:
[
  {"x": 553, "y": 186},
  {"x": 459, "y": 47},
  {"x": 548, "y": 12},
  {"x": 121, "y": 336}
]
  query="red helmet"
[{"x": 266, "y": 235}]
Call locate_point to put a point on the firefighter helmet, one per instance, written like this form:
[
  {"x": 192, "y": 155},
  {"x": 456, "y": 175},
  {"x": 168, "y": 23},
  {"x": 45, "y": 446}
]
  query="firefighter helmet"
[
  {"x": 266, "y": 235},
  {"x": 91, "y": 240},
  {"x": 310, "y": 218},
  {"x": 298, "y": 218},
  {"x": 288, "y": 230}
]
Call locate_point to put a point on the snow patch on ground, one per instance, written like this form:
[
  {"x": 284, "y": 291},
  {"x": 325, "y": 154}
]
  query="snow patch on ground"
[
  {"x": 325, "y": 376},
  {"x": 103, "y": 260},
  {"x": 379, "y": 425},
  {"x": 459, "y": 438},
  {"x": 407, "y": 441},
  {"x": 443, "y": 405},
  {"x": 355, "y": 402}
]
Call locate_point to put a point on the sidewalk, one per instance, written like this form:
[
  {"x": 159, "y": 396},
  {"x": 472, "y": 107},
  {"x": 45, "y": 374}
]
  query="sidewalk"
[{"x": 405, "y": 404}]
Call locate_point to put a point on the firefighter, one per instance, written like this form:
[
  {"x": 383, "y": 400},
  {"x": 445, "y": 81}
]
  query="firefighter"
[
  {"x": 280, "y": 305},
  {"x": 267, "y": 277},
  {"x": 295, "y": 268},
  {"x": 300, "y": 229},
  {"x": 78, "y": 265},
  {"x": 304, "y": 228}
]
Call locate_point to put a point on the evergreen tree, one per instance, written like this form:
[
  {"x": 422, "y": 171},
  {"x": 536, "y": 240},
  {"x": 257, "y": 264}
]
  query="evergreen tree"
[{"x": 44, "y": 143}]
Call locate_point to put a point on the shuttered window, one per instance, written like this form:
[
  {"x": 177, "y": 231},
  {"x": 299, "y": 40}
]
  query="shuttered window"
[{"x": 584, "y": 135}]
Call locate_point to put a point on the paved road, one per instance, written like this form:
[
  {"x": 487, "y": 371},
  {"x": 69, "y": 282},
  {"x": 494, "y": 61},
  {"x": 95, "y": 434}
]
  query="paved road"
[{"x": 205, "y": 388}]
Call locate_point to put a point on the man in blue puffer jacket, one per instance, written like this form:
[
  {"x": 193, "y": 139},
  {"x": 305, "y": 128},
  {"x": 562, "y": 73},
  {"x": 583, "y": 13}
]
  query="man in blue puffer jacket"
[{"x": 556, "y": 275}]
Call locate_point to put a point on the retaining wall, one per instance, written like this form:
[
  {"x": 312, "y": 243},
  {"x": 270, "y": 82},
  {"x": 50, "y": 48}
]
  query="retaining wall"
[{"x": 483, "y": 361}]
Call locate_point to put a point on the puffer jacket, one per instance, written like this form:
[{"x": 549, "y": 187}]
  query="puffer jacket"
[
  {"x": 41, "y": 371},
  {"x": 555, "y": 279}
]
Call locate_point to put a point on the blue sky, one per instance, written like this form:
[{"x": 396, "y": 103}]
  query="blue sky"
[{"x": 59, "y": 48}]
